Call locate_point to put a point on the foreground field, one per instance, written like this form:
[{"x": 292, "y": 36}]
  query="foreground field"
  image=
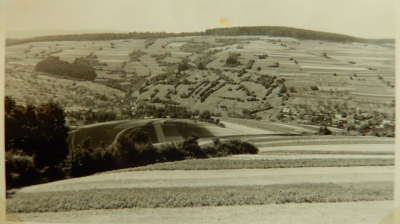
[
  {"x": 343, "y": 213},
  {"x": 174, "y": 197},
  {"x": 225, "y": 177},
  {"x": 251, "y": 188}
]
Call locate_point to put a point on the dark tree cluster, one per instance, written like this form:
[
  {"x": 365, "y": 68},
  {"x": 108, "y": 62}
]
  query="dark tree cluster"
[
  {"x": 55, "y": 66},
  {"x": 35, "y": 142}
]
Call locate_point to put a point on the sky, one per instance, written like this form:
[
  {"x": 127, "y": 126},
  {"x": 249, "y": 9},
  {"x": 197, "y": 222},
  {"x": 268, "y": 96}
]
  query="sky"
[{"x": 361, "y": 18}]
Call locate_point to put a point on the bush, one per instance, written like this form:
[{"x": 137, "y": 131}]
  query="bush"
[
  {"x": 131, "y": 148},
  {"x": 86, "y": 161},
  {"x": 183, "y": 65},
  {"x": 20, "y": 169},
  {"x": 237, "y": 147},
  {"x": 324, "y": 131},
  {"x": 191, "y": 146},
  {"x": 172, "y": 152},
  {"x": 232, "y": 60}
]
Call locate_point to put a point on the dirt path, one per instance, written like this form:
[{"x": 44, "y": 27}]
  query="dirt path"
[
  {"x": 235, "y": 177},
  {"x": 316, "y": 213}
]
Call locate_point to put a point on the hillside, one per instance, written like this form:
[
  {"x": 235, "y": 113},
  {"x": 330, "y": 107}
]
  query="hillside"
[
  {"x": 341, "y": 84},
  {"x": 275, "y": 31}
]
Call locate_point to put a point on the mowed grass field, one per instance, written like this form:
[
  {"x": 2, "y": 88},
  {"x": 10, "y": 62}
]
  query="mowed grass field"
[{"x": 345, "y": 171}]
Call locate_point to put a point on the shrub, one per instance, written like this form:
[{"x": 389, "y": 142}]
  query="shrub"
[
  {"x": 183, "y": 65},
  {"x": 232, "y": 60},
  {"x": 20, "y": 169},
  {"x": 237, "y": 147},
  {"x": 172, "y": 152},
  {"x": 130, "y": 148},
  {"x": 324, "y": 131},
  {"x": 191, "y": 146}
]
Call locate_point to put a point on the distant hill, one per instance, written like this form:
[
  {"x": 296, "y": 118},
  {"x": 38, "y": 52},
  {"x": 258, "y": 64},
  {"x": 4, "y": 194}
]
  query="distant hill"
[
  {"x": 281, "y": 31},
  {"x": 276, "y": 31}
]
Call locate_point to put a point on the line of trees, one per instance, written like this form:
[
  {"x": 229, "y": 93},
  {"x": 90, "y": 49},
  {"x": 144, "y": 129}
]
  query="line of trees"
[
  {"x": 232, "y": 31},
  {"x": 280, "y": 31}
]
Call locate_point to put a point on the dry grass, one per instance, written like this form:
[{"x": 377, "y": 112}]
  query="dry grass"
[{"x": 203, "y": 196}]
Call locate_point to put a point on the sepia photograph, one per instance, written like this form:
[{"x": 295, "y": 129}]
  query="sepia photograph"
[{"x": 199, "y": 111}]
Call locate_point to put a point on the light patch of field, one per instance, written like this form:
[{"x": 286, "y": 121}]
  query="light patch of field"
[
  {"x": 313, "y": 156},
  {"x": 306, "y": 213},
  {"x": 242, "y": 129},
  {"x": 305, "y": 142},
  {"x": 273, "y": 127},
  {"x": 350, "y": 147},
  {"x": 226, "y": 177},
  {"x": 320, "y": 152}
]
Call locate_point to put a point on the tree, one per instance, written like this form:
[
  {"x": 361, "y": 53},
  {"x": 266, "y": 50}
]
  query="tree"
[
  {"x": 52, "y": 133},
  {"x": 206, "y": 115},
  {"x": 37, "y": 131}
]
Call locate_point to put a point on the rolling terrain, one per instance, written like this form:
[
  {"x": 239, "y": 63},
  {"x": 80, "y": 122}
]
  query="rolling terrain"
[
  {"x": 351, "y": 173},
  {"x": 275, "y": 78},
  {"x": 268, "y": 87}
]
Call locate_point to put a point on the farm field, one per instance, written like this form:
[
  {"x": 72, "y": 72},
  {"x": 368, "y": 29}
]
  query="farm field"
[{"x": 322, "y": 176}]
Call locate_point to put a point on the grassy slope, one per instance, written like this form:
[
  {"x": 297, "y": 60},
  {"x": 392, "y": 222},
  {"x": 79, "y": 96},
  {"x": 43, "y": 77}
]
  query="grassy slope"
[{"x": 204, "y": 196}]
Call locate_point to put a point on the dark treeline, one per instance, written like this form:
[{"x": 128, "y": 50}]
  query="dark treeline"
[
  {"x": 280, "y": 31},
  {"x": 302, "y": 34},
  {"x": 100, "y": 36},
  {"x": 276, "y": 31}
]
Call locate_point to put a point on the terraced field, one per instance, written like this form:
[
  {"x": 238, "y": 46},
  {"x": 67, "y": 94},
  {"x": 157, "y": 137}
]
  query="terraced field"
[
  {"x": 355, "y": 73},
  {"x": 296, "y": 177}
]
